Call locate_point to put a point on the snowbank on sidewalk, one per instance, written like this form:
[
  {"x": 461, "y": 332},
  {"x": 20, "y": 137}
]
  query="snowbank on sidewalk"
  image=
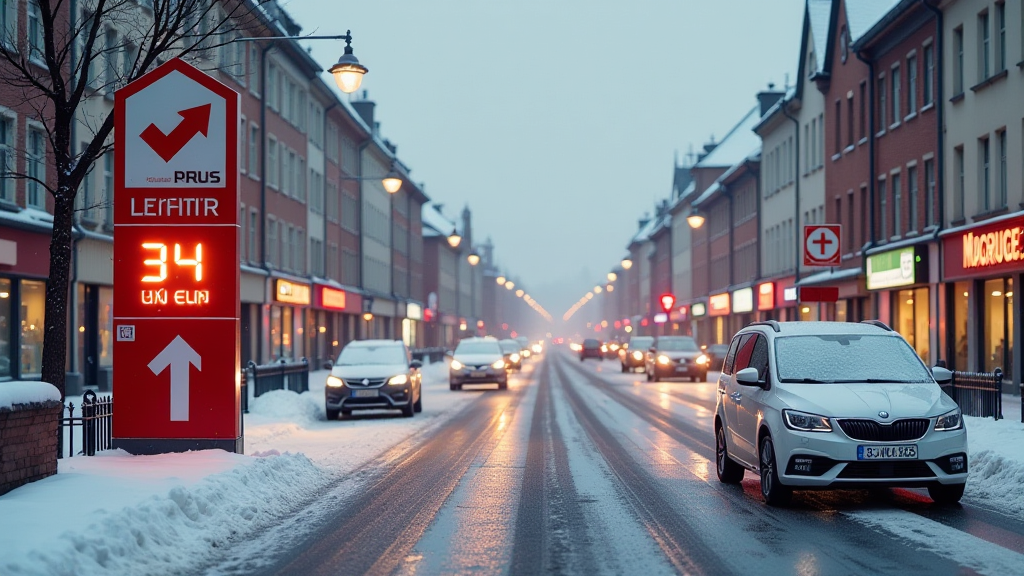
[
  {"x": 165, "y": 514},
  {"x": 996, "y": 464},
  {"x": 27, "y": 392}
]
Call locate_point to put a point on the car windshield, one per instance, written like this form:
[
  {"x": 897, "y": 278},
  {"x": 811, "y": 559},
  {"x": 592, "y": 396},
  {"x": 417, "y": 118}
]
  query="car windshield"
[
  {"x": 510, "y": 346},
  {"x": 848, "y": 358},
  {"x": 640, "y": 343},
  {"x": 478, "y": 348},
  {"x": 677, "y": 345},
  {"x": 362, "y": 355},
  {"x": 591, "y": 344},
  {"x": 718, "y": 348}
]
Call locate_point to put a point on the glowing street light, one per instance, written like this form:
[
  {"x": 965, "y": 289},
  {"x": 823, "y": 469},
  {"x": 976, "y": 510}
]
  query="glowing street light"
[
  {"x": 454, "y": 239},
  {"x": 348, "y": 72},
  {"x": 392, "y": 181},
  {"x": 695, "y": 219},
  {"x": 612, "y": 276},
  {"x": 626, "y": 263},
  {"x": 510, "y": 285},
  {"x": 473, "y": 258},
  {"x": 500, "y": 280}
]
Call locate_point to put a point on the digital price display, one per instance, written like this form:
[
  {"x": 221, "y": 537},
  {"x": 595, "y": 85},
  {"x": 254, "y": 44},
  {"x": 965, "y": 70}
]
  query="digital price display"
[{"x": 181, "y": 272}]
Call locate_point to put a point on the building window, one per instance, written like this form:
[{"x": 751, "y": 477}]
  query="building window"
[
  {"x": 912, "y": 198},
  {"x": 998, "y": 325},
  {"x": 7, "y": 158},
  {"x": 1003, "y": 188},
  {"x": 272, "y": 88},
  {"x": 838, "y": 125},
  {"x": 910, "y": 315},
  {"x": 849, "y": 121},
  {"x": 850, "y": 243},
  {"x": 929, "y": 198},
  {"x": 254, "y": 150},
  {"x": 272, "y": 242},
  {"x": 242, "y": 139},
  {"x": 896, "y": 95},
  {"x": 35, "y": 31},
  {"x": 35, "y": 158},
  {"x": 253, "y": 220},
  {"x": 911, "y": 85},
  {"x": 863, "y": 216},
  {"x": 272, "y": 166},
  {"x": 929, "y": 74},
  {"x": 882, "y": 104},
  {"x": 33, "y": 305},
  {"x": 984, "y": 56},
  {"x": 958, "y": 64},
  {"x": 958, "y": 193},
  {"x": 255, "y": 66},
  {"x": 108, "y": 187},
  {"x": 814, "y": 143},
  {"x": 883, "y": 216},
  {"x": 897, "y": 206},
  {"x": 985, "y": 155},
  {"x": 1000, "y": 36},
  {"x": 241, "y": 233},
  {"x": 863, "y": 110},
  {"x": 821, "y": 140}
]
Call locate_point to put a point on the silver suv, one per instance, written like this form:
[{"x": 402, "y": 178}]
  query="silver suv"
[
  {"x": 836, "y": 405},
  {"x": 373, "y": 374}
]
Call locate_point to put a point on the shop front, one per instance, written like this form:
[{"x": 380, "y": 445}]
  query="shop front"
[
  {"x": 853, "y": 304},
  {"x": 899, "y": 279},
  {"x": 699, "y": 321},
  {"x": 92, "y": 355},
  {"x": 411, "y": 323},
  {"x": 330, "y": 323},
  {"x": 742, "y": 310},
  {"x": 252, "y": 330},
  {"x": 680, "y": 321},
  {"x": 24, "y": 263},
  {"x": 719, "y": 308},
  {"x": 287, "y": 328},
  {"x": 766, "y": 301},
  {"x": 982, "y": 269}
]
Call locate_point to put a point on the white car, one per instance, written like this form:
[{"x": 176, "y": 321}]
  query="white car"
[
  {"x": 478, "y": 361},
  {"x": 836, "y": 405}
]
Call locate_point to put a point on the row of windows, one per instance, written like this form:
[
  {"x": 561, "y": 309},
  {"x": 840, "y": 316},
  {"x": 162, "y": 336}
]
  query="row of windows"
[
  {"x": 778, "y": 167},
  {"x": 286, "y": 246},
  {"x": 992, "y": 184},
  {"x": 777, "y": 252},
  {"x": 33, "y": 162},
  {"x": 990, "y": 46}
]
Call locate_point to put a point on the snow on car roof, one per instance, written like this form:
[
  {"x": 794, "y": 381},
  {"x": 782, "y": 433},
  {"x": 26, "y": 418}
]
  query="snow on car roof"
[
  {"x": 370, "y": 343},
  {"x": 821, "y": 327}
]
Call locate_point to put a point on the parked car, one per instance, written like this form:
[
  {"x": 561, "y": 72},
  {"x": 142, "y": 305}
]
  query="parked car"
[
  {"x": 373, "y": 374},
  {"x": 591, "y": 348},
  {"x": 633, "y": 354},
  {"x": 836, "y": 405},
  {"x": 716, "y": 355},
  {"x": 478, "y": 361},
  {"x": 676, "y": 357},
  {"x": 512, "y": 353}
]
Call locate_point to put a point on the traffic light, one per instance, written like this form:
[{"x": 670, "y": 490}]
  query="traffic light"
[{"x": 667, "y": 302}]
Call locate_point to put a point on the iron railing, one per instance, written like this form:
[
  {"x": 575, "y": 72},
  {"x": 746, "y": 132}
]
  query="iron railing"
[
  {"x": 95, "y": 422},
  {"x": 977, "y": 393},
  {"x": 281, "y": 375}
]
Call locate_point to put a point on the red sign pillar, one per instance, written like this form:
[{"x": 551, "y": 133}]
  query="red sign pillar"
[{"x": 176, "y": 274}]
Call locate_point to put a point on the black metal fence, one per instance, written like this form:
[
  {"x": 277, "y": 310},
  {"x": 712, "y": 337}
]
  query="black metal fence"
[
  {"x": 977, "y": 393},
  {"x": 434, "y": 355},
  {"x": 94, "y": 423},
  {"x": 281, "y": 375}
]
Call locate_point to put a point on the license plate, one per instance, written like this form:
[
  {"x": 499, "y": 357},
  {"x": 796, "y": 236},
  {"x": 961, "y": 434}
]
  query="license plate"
[
  {"x": 904, "y": 452},
  {"x": 364, "y": 393},
  {"x": 477, "y": 374},
  {"x": 680, "y": 368}
]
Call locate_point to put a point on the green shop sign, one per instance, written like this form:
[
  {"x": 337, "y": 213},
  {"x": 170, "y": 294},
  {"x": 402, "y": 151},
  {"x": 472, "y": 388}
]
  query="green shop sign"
[{"x": 895, "y": 268}]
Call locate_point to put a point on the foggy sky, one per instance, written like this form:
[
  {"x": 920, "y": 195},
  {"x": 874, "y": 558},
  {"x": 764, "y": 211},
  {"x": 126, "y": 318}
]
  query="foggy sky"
[{"x": 556, "y": 120}]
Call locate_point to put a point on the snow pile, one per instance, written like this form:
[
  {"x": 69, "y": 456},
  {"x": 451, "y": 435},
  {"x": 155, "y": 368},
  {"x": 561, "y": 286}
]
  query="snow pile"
[
  {"x": 302, "y": 408},
  {"x": 26, "y": 392},
  {"x": 172, "y": 532},
  {"x": 996, "y": 463}
]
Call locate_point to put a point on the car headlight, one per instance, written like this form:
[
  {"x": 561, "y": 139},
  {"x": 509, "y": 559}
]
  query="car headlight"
[
  {"x": 399, "y": 380},
  {"x": 499, "y": 364},
  {"x": 456, "y": 365},
  {"x": 537, "y": 349},
  {"x": 513, "y": 357},
  {"x": 806, "y": 422},
  {"x": 526, "y": 353},
  {"x": 604, "y": 348},
  {"x": 638, "y": 356},
  {"x": 949, "y": 421},
  {"x": 702, "y": 359},
  {"x": 664, "y": 359},
  {"x": 335, "y": 382}
]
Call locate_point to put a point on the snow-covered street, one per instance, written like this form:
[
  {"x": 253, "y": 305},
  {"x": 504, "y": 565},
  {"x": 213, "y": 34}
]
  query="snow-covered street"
[{"x": 576, "y": 469}]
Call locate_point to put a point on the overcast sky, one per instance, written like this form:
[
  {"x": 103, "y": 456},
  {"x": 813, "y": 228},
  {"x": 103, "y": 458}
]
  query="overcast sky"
[{"x": 557, "y": 120}]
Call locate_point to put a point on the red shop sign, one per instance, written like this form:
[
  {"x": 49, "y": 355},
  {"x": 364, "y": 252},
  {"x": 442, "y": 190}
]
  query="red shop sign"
[{"x": 984, "y": 250}]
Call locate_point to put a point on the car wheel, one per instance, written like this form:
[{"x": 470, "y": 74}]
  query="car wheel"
[
  {"x": 408, "y": 410},
  {"x": 503, "y": 385},
  {"x": 946, "y": 493},
  {"x": 332, "y": 414},
  {"x": 648, "y": 375},
  {"x": 346, "y": 413},
  {"x": 418, "y": 406},
  {"x": 729, "y": 472},
  {"x": 624, "y": 369},
  {"x": 453, "y": 387},
  {"x": 774, "y": 493},
  {"x": 703, "y": 377},
  {"x": 655, "y": 376}
]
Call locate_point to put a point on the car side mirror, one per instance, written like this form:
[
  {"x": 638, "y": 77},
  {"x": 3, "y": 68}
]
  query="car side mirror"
[
  {"x": 416, "y": 364},
  {"x": 942, "y": 375},
  {"x": 748, "y": 377}
]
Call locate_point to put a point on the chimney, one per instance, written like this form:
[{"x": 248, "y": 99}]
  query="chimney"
[
  {"x": 769, "y": 97},
  {"x": 644, "y": 221},
  {"x": 711, "y": 145},
  {"x": 364, "y": 108}
]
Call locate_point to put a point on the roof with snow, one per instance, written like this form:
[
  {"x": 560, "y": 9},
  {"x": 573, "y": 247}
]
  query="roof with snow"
[
  {"x": 737, "y": 144},
  {"x": 819, "y": 14},
  {"x": 435, "y": 223},
  {"x": 861, "y": 15}
]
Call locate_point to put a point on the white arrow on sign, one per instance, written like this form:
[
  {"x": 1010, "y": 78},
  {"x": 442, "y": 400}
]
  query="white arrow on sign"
[{"x": 177, "y": 355}]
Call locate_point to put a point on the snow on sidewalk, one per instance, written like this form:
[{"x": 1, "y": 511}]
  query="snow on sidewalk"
[{"x": 121, "y": 514}]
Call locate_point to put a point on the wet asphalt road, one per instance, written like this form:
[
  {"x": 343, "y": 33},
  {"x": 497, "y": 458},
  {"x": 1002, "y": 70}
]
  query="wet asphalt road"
[{"x": 579, "y": 469}]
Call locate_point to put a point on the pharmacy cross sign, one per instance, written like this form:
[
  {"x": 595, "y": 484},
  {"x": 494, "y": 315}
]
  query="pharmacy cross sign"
[{"x": 821, "y": 245}]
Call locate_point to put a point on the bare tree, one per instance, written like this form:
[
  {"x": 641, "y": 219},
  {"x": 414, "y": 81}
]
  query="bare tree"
[{"x": 63, "y": 62}]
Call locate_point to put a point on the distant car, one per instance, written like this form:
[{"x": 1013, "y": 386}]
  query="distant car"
[
  {"x": 478, "y": 361},
  {"x": 524, "y": 346},
  {"x": 836, "y": 405},
  {"x": 634, "y": 353},
  {"x": 611, "y": 350},
  {"x": 512, "y": 352},
  {"x": 373, "y": 374},
  {"x": 716, "y": 356},
  {"x": 591, "y": 348},
  {"x": 676, "y": 357}
]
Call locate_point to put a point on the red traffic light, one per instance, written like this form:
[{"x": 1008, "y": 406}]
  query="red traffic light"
[{"x": 667, "y": 302}]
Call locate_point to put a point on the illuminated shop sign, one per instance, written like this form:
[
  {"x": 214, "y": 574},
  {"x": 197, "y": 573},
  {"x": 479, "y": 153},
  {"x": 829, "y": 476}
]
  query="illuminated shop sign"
[
  {"x": 413, "y": 311},
  {"x": 292, "y": 293},
  {"x": 699, "y": 310},
  {"x": 766, "y": 296},
  {"x": 896, "y": 268},
  {"x": 719, "y": 304},
  {"x": 743, "y": 300},
  {"x": 332, "y": 298},
  {"x": 789, "y": 294},
  {"x": 984, "y": 250}
]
